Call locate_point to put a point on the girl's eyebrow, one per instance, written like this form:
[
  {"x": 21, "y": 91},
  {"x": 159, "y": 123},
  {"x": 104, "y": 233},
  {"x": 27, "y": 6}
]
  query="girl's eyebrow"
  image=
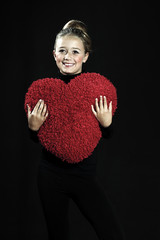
[
  {"x": 72, "y": 48},
  {"x": 76, "y": 48}
]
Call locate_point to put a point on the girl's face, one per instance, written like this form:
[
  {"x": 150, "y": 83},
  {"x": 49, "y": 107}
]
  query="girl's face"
[{"x": 70, "y": 54}]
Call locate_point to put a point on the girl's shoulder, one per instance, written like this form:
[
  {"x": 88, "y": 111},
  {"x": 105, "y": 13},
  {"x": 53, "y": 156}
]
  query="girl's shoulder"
[
  {"x": 91, "y": 74},
  {"x": 42, "y": 81},
  {"x": 94, "y": 78}
]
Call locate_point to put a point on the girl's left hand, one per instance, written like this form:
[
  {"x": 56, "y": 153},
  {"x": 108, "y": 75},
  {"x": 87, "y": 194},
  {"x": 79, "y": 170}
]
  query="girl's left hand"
[{"x": 102, "y": 112}]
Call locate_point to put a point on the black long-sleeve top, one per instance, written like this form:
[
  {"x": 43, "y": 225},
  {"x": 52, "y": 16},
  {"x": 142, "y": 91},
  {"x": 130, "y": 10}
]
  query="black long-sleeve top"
[{"x": 85, "y": 167}]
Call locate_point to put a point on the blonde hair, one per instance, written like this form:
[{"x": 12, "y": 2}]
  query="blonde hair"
[{"x": 78, "y": 29}]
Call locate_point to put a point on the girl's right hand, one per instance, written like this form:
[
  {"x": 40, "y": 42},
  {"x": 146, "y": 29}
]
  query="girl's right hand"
[{"x": 37, "y": 117}]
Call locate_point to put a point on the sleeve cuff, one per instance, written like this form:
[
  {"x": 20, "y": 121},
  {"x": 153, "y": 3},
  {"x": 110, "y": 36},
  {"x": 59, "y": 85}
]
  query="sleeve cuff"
[
  {"x": 33, "y": 135},
  {"x": 106, "y": 131}
]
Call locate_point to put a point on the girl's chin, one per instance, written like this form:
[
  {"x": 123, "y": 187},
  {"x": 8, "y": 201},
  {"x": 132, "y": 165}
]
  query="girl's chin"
[{"x": 69, "y": 71}]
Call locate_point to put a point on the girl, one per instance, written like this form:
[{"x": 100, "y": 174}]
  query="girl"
[{"x": 65, "y": 173}]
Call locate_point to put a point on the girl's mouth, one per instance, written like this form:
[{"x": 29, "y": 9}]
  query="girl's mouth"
[{"x": 68, "y": 64}]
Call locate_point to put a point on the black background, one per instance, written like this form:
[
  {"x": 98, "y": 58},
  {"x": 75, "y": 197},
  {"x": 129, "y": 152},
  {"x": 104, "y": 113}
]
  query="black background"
[{"x": 125, "y": 43}]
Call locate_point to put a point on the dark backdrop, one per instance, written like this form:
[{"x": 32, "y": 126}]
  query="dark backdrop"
[{"x": 125, "y": 39}]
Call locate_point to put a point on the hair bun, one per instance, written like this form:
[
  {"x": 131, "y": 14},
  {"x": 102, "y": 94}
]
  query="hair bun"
[{"x": 76, "y": 24}]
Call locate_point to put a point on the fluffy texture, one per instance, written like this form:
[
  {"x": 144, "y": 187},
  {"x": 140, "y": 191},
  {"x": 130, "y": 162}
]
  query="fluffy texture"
[{"x": 71, "y": 131}]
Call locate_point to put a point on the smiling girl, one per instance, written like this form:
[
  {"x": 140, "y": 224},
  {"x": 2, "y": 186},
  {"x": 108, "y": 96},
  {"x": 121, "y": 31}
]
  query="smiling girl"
[{"x": 61, "y": 181}]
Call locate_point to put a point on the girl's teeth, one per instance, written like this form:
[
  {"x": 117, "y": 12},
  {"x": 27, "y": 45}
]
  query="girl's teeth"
[{"x": 68, "y": 64}]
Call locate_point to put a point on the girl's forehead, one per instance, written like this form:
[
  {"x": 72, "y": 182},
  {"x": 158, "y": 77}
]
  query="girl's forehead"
[{"x": 69, "y": 41}]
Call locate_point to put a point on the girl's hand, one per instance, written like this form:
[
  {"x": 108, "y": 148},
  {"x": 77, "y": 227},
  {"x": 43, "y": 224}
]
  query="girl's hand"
[
  {"x": 102, "y": 112},
  {"x": 37, "y": 117}
]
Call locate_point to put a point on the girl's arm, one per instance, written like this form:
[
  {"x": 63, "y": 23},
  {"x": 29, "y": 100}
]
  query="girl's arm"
[{"x": 33, "y": 135}]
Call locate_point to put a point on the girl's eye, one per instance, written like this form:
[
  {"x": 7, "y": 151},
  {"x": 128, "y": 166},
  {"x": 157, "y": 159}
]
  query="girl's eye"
[
  {"x": 75, "y": 52},
  {"x": 62, "y": 51}
]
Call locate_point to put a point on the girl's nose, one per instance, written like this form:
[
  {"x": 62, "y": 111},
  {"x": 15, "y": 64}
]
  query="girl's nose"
[{"x": 67, "y": 56}]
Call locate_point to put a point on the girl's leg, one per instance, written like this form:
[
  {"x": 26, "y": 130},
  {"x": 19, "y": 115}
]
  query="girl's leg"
[
  {"x": 55, "y": 205},
  {"x": 97, "y": 208}
]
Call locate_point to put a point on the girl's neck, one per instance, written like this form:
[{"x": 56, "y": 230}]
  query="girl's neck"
[{"x": 68, "y": 77}]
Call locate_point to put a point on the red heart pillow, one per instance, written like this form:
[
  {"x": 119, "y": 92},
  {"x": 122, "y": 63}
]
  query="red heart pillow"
[{"x": 71, "y": 131}]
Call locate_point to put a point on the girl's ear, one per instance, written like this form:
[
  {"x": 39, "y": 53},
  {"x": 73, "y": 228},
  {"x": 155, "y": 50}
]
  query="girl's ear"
[
  {"x": 86, "y": 57},
  {"x": 54, "y": 54}
]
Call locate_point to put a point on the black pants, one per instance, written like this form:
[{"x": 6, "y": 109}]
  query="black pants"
[{"x": 56, "y": 190}]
